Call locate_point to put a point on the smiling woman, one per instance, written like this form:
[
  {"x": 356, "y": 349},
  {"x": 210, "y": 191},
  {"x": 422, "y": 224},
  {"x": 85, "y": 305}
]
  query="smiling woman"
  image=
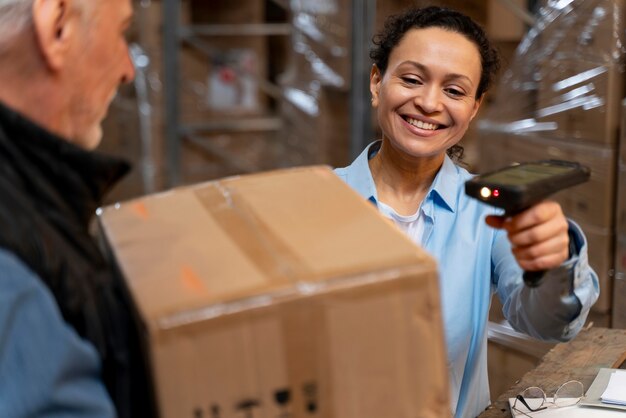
[{"x": 431, "y": 69}]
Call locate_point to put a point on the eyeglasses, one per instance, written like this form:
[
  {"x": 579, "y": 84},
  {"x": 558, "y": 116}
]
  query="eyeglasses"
[{"x": 534, "y": 399}]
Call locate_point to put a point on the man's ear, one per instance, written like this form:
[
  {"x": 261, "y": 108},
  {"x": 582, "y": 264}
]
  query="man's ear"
[{"x": 53, "y": 26}]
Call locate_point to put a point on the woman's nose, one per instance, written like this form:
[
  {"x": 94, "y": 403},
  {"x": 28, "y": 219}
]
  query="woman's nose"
[{"x": 429, "y": 99}]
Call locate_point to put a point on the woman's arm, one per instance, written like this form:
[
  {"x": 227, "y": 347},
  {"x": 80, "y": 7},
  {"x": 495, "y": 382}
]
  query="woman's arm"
[{"x": 557, "y": 309}]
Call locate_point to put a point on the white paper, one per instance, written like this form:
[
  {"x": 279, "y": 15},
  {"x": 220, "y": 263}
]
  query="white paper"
[
  {"x": 575, "y": 411},
  {"x": 615, "y": 391}
]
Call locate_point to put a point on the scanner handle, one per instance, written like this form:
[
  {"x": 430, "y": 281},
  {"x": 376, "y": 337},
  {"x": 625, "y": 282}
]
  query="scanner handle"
[{"x": 533, "y": 278}]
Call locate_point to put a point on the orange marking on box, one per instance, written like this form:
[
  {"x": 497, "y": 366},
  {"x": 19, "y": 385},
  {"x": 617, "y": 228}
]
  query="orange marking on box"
[
  {"x": 191, "y": 280},
  {"x": 140, "y": 209}
]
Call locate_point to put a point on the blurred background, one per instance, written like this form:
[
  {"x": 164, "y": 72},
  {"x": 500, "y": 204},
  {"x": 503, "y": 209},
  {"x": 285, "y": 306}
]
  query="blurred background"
[{"x": 233, "y": 87}]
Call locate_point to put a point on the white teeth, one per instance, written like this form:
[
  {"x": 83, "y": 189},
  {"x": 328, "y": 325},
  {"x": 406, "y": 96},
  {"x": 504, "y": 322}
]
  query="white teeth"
[{"x": 422, "y": 125}]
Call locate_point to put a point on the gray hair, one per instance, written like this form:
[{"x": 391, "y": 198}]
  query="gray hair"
[{"x": 15, "y": 16}]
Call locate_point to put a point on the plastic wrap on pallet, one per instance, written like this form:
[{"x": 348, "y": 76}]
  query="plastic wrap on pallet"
[
  {"x": 319, "y": 52},
  {"x": 565, "y": 79},
  {"x": 560, "y": 98},
  {"x": 315, "y": 83}
]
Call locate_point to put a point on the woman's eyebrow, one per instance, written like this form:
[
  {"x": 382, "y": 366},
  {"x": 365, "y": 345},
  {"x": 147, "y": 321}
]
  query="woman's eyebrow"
[{"x": 423, "y": 68}]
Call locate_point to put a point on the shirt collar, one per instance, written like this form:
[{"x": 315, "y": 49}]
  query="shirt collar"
[
  {"x": 445, "y": 185},
  {"x": 361, "y": 178},
  {"x": 443, "y": 190}
]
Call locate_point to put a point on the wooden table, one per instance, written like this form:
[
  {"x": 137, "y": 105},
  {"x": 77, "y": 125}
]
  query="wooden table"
[{"x": 579, "y": 359}]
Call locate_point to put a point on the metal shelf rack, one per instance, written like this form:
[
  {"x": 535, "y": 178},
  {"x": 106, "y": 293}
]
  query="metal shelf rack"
[{"x": 175, "y": 34}]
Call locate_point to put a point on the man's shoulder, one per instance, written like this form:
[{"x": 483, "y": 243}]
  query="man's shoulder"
[
  {"x": 32, "y": 332},
  {"x": 15, "y": 277}
]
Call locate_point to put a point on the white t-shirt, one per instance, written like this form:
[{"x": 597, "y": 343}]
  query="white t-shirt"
[{"x": 412, "y": 225}]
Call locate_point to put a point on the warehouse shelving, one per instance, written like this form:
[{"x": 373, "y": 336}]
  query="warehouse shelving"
[{"x": 199, "y": 37}]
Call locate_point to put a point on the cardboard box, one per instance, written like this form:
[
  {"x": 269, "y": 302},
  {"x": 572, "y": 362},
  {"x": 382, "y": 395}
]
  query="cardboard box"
[
  {"x": 593, "y": 202},
  {"x": 281, "y": 294},
  {"x": 502, "y": 23}
]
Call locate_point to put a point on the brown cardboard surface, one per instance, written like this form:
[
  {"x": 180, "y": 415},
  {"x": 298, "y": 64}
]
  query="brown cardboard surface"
[
  {"x": 502, "y": 23},
  {"x": 281, "y": 294}
]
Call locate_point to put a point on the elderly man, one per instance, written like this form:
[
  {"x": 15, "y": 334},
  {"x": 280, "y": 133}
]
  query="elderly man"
[{"x": 69, "y": 336}]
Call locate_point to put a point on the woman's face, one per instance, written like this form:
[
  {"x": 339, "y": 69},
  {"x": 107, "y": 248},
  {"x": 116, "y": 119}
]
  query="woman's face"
[{"x": 425, "y": 100}]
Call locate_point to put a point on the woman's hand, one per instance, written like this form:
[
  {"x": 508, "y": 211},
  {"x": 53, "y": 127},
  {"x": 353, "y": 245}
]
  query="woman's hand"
[{"x": 538, "y": 236}]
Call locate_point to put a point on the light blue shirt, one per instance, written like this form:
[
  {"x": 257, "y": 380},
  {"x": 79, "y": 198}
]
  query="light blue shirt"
[
  {"x": 46, "y": 369},
  {"x": 475, "y": 261}
]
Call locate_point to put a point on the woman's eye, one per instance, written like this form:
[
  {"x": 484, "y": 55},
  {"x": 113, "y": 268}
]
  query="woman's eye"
[
  {"x": 455, "y": 92},
  {"x": 410, "y": 80}
]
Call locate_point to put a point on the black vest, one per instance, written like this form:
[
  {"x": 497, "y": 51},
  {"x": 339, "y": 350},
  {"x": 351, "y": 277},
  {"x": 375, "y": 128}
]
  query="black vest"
[{"x": 49, "y": 191}]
